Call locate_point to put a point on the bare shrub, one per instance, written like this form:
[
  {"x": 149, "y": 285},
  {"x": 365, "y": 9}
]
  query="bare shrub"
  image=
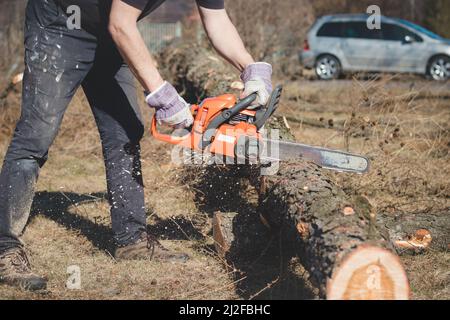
[
  {"x": 273, "y": 30},
  {"x": 11, "y": 37},
  {"x": 438, "y": 17},
  {"x": 407, "y": 137}
]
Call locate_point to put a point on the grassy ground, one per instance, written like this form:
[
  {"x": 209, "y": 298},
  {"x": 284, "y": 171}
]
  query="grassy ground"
[
  {"x": 70, "y": 225},
  {"x": 402, "y": 127}
]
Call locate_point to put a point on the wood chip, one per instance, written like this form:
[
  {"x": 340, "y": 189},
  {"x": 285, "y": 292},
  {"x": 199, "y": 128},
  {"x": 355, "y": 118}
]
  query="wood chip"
[
  {"x": 17, "y": 78},
  {"x": 286, "y": 123},
  {"x": 264, "y": 221},
  {"x": 348, "y": 211},
  {"x": 420, "y": 240},
  {"x": 303, "y": 229},
  {"x": 237, "y": 85},
  {"x": 423, "y": 234},
  {"x": 212, "y": 58}
]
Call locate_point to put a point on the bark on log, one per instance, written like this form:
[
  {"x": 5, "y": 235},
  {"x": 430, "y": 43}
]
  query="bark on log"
[
  {"x": 196, "y": 72},
  {"x": 341, "y": 247},
  {"x": 344, "y": 251}
]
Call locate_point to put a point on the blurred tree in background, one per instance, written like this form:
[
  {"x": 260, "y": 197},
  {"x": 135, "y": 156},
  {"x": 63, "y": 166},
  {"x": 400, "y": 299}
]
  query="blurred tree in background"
[
  {"x": 11, "y": 36},
  {"x": 412, "y": 10},
  {"x": 433, "y": 14},
  {"x": 438, "y": 17},
  {"x": 273, "y": 30}
]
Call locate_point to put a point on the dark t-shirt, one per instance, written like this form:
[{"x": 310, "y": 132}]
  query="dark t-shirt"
[{"x": 95, "y": 13}]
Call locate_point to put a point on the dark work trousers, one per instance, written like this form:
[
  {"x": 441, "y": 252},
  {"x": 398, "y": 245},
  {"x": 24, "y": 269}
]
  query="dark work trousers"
[{"x": 57, "y": 61}]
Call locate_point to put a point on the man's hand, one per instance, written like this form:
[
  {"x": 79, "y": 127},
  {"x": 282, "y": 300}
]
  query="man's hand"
[
  {"x": 171, "y": 108},
  {"x": 257, "y": 78}
]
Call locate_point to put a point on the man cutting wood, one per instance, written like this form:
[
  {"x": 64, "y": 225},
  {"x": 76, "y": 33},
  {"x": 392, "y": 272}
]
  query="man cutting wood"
[{"x": 101, "y": 56}]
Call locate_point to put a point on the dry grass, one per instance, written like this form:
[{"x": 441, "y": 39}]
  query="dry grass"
[
  {"x": 403, "y": 128},
  {"x": 70, "y": 223}
]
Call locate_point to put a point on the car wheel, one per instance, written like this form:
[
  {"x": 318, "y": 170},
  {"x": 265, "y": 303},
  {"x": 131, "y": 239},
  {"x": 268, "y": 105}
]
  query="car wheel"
[
  {"x": 439, "y": 68},
  {"x": 328, "y": 67}
]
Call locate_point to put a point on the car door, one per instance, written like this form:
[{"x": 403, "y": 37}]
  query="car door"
[
  {"x": 404, "y": 50},
  {"x": 361, "y": 46},
  {"x": 328, "y": 41}
]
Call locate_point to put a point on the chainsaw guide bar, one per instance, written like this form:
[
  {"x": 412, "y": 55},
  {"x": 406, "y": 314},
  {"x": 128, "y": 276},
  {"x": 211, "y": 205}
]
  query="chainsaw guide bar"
[{"x": 233, "y": 130}]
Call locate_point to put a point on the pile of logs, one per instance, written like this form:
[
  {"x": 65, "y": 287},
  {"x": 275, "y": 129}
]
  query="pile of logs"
[{"x": 350, "y": 250}]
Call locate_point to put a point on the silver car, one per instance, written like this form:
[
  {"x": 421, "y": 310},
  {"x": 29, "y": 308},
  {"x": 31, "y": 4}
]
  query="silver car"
[{"x": 344, "y": 43}]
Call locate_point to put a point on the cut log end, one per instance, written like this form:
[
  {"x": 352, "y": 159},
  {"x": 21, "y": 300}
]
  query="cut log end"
[
  {"x": 421, "y": 240},
  {"x": 222, "y": 226},
  {"x": 369, "y": 273}
]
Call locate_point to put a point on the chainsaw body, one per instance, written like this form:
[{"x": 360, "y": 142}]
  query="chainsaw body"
[{"x": 224, "y": 126}]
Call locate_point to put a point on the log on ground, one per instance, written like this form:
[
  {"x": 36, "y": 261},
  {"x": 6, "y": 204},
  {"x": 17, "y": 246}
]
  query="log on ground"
[{"x": 346, "y": 255}]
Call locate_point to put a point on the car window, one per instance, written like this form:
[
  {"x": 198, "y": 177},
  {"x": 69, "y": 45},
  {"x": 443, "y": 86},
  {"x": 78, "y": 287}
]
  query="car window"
[
  {"x": 351, "y": 29},
  {"x": 420, "y": 29},
  {"x": 359, "y": 30},
  {"x": 331, "y": 29},
  {"x": 393, "y": 32}
]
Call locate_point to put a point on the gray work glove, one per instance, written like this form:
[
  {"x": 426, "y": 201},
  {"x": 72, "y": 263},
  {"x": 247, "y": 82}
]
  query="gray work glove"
[
  {"x": 171, "y": 108},
  {"x": 257, "y": 77}
]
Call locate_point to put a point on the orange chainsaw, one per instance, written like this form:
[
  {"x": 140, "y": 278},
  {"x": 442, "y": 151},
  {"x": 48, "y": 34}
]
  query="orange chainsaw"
[{"x": 234, "y": 130}]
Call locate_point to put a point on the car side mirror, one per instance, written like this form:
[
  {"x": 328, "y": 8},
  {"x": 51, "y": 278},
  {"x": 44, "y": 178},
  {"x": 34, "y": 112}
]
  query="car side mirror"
[{"x": 408, "y": 40}]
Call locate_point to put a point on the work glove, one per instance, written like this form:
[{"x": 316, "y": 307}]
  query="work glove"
[
  {"x": 257, "y": 77},
  {"x": 171, "y": 109}
]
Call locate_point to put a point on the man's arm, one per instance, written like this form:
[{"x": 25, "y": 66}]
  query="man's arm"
[
  {"x": 225, "y": 38},
  {"x": 124, "y": 31},
  {"x": 171, "y": 109},
  {"x": 227, "y": 42}
]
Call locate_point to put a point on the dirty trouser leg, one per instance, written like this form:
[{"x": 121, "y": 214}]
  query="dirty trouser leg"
[
  {"x": 56, "y": 61},
  {"x": 111, "y": 92}
]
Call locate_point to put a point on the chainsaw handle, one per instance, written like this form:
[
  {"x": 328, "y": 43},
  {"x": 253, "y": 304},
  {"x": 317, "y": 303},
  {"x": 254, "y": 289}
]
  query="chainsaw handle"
[
  {"x": 265, "y": 113},
  {"x": 160, "y": 136},
  {"x": 240, "y": 106},
  {"x": 166, "y": 137},
  {"x": 225, "y": 116}
]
